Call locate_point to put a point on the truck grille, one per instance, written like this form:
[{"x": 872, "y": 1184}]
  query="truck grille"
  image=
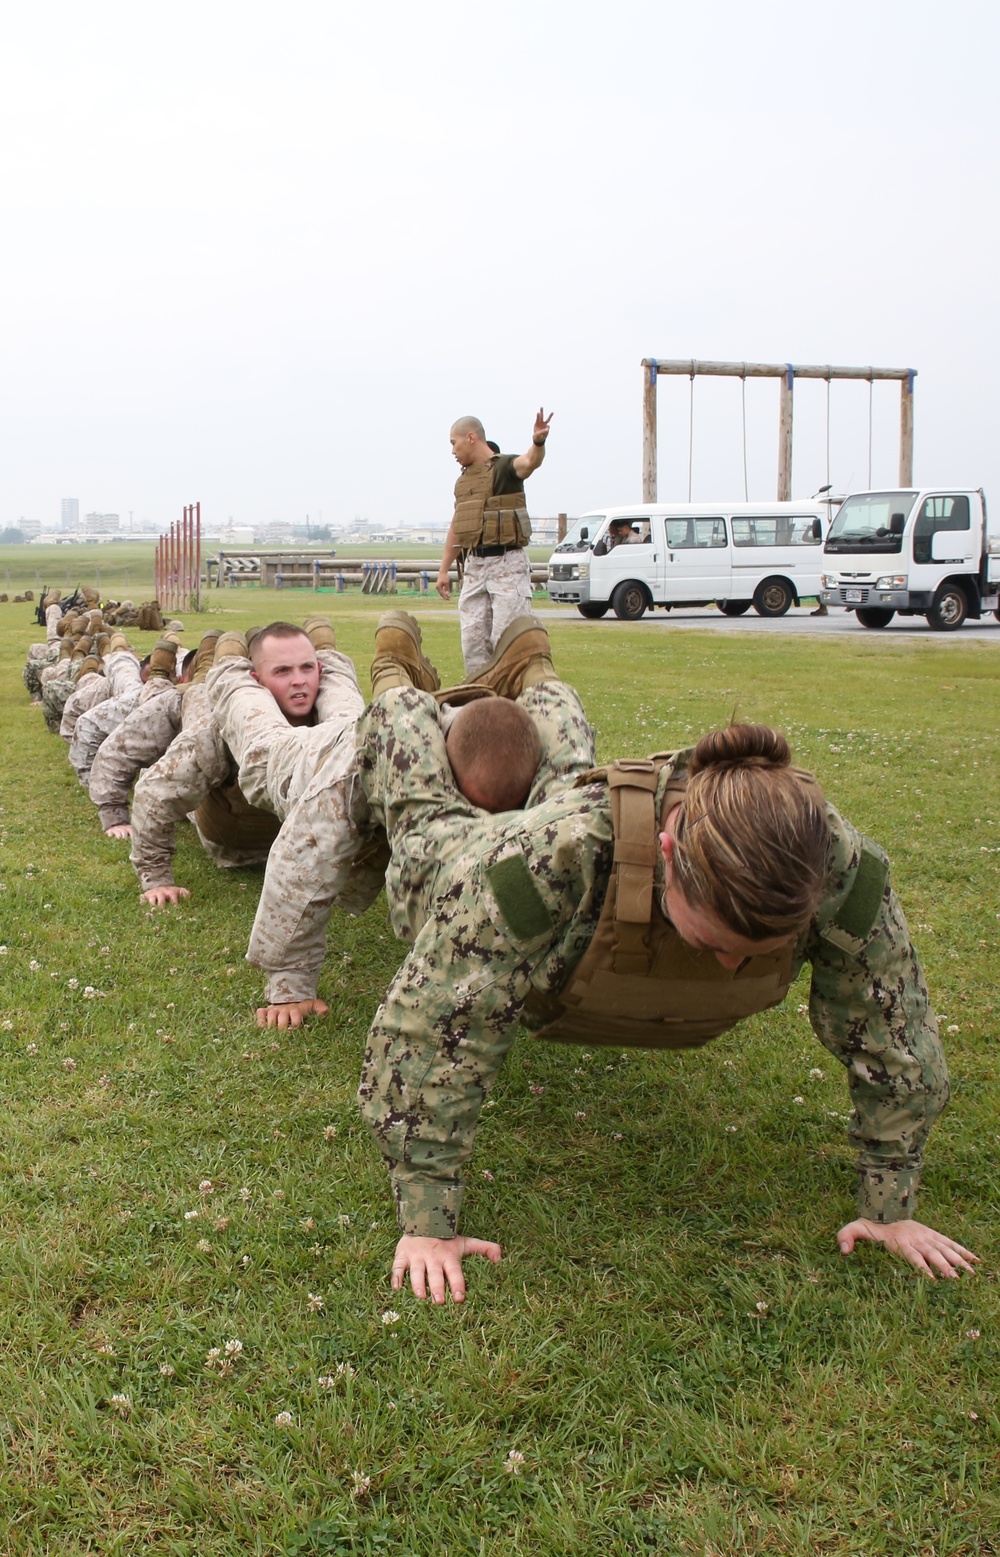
[{"x": 843, "y": 594}]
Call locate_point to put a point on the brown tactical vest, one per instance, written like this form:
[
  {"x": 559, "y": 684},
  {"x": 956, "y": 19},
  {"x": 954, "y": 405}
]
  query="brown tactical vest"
[
  {"x": 225, "y": 817},
  {"x": 483, "y": 519},
  {"x": 638, "y": 984}
]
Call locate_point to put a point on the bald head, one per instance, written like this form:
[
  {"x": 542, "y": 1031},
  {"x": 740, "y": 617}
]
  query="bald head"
[
  {"x": 469, "y": 424},
  {"x": 494, "y": 750}
]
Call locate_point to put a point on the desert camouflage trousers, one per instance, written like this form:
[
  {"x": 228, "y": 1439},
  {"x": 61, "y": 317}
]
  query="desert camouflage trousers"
[{"x": 495, "y": 591}]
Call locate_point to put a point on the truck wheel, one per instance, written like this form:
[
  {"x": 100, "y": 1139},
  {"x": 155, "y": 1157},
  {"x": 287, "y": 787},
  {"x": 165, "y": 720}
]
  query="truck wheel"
[
  {"x": 949, "y": 610},
  {"x": 593, "y": 609},
  {"x": 734, "y": 607},
  {"x": 629, "y": 601},
  {"x": 873, "y": 616},
  {"x": 773, "y": 597}
]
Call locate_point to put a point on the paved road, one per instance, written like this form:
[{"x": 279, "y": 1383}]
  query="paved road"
[{"x": 797, "y": 621}]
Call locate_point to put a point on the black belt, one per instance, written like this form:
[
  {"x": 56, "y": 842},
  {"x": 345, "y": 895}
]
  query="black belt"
[{"x": 493, "y": 551}]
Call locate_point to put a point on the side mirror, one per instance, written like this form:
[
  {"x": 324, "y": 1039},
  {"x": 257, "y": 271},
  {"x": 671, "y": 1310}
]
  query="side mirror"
[
  {"x": 817, "y": 530},
  {"x": 896, "y": 524},
  {"x": 585, "y": 534}
]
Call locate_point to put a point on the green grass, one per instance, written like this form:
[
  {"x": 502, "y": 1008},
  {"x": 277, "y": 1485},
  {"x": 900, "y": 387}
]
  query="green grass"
[{"x": 619, "y": 1346}]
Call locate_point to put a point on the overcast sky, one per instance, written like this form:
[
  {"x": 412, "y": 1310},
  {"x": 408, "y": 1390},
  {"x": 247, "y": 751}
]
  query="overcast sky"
[{"x": 263, "y": 256}]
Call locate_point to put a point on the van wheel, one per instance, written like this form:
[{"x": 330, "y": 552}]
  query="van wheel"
[
  {"x": 872, "y": 616},
  {"x": 949, "y": 610},
  {"x": 629, "y": 601},
  {"x": 773, "y": 597},
  {"x": 734, "y": 607},
  {"x": 593, "y": 609}
]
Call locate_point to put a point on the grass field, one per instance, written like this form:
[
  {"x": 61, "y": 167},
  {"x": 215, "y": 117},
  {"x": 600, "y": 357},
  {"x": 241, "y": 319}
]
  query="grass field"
[{"x": 672, "y": 1342}]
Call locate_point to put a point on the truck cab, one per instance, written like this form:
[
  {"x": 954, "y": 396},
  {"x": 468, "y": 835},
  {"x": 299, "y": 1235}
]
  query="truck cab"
[{"x": 913, "y": 552}]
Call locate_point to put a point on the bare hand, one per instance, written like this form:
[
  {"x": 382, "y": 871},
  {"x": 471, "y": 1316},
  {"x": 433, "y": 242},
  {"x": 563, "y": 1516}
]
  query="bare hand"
[
  {"x": 444, "y": 586},
  {"x": 159, "y": 897},
  {"x": 541, "y": 428},
  {"x": 120, "y": 830},
  {"x": 436, "y": 1264},
  {"x": 292, "y": 1013},
  {"x": 927, "y": 1251}
]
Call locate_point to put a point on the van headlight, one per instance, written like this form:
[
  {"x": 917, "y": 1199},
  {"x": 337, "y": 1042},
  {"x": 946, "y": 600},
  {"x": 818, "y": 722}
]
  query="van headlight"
[
  {"x": 891, "y": 581},
  {"x": 584, "y": 570},
  {"x": 831, "y": 581}
]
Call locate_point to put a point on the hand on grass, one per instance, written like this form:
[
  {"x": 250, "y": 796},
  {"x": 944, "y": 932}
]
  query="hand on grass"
[
  {"x": 927, "y": 1251},
  {"x": 435, "y": 1264},
  {"x": 159, "y": 897},
  {"x": 292, "y": 1013},
  {"x": 121, "y": 830}
]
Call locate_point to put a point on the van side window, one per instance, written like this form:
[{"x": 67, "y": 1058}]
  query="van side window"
[
  {"x": 938, "y": 513},
  {"x": 783, "y": 530},
  {"x": 685, "y": 534}
]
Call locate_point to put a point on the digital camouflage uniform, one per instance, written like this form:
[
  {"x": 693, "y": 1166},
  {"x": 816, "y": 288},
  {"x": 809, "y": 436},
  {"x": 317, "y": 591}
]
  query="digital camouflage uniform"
[
  {"x": 326, "y": 852},
  {"x": 139, "y": 741},
  {"x": 193, "y": 765},
  {"x": 494, "y": 907},
  {"x": 84, "y": 696},
  {"x": 123, "y": 677}
]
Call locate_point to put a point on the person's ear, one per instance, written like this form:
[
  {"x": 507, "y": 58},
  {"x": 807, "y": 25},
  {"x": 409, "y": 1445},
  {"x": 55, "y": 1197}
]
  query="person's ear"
[{"x": 667, "y": 846}]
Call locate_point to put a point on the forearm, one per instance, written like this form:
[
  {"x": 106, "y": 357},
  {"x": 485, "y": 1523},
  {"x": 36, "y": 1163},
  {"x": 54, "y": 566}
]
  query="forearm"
[
  {"x": 869, "y": 1006},
  {"x": 452, "y": 551},
  {"x": 434, "y": 1051}
]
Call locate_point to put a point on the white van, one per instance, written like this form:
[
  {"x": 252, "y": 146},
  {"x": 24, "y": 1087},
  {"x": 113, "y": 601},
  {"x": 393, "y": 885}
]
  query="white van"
[{"x": 765, "y": 555}]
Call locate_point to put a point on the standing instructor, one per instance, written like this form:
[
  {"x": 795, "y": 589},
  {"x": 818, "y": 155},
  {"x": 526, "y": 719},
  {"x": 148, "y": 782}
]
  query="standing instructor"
[{"x": 489, "y": 532}]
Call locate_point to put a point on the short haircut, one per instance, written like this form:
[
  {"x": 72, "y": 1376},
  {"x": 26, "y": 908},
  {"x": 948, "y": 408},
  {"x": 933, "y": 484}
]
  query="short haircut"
[
  {"x": 188, "y": 661},
  {"x": 469, "y": 424},
  {"x": 275, "y": 630},
  {"x": 494, "y": 749}
]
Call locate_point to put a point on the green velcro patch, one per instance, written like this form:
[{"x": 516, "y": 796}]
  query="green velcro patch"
[
  {"x": 860, "y": 908},
  {"x": 518, "y": 898}
]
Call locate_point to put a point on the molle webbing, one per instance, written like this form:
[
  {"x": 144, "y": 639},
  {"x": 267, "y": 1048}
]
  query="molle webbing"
[
  {"x": 638, "y": 984},
  {"x": 485, "y": 518}
]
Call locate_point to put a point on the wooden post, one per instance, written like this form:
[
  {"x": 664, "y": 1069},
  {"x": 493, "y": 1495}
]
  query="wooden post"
[
  {"x": 649, "y": 430},
  {"x": 560, "y": 528},
  {"x": 785, "y": 435},
  {"x": 906, "y": 431}
]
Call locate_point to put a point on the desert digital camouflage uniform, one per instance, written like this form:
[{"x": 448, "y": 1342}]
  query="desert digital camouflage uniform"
[
  {"x": 56, "y": 684},
  {"x": 123, "y": 675},
  {"x": 326, "y": 852},
  {"x": 450, "y": 1014},
  {"x": 84, "y": 696},
  {"x": 193, "y": 765},
  {"x": 139, "y": 741}
]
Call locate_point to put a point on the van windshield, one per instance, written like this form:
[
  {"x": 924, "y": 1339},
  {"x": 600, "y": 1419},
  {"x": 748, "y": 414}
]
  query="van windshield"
[
  {"x": 575, "y": 539},
  {"x": 864, "y": 523}
]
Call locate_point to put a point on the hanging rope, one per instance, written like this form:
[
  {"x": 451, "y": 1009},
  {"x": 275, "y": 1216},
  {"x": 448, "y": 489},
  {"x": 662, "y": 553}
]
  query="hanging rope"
[
  {"x": 746, "y": 484},
  {"x": 691, "y": 429},
  {"x": 828, "y": 427},
  {"x": 870, "y": 388}
]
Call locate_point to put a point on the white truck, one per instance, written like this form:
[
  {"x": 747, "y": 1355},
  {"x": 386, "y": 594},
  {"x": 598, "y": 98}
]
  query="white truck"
[
  {"x": 765, "y": 555},
  {"x": 927, "y": 552}
]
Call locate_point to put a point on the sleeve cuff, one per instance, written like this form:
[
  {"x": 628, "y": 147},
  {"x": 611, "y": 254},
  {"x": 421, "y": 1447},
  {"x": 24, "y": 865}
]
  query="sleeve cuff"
[
  {"x": 284, "y": 988},
  {"x": 155, "y": 878},
  {"x": 888, "y": 1195},
  {"x": 113, "y": 816},
  {"x": 427, "y": 1210}
]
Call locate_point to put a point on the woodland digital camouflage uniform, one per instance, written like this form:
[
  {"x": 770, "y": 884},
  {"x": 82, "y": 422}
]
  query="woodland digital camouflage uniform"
[{"x": 478, "y": 949}]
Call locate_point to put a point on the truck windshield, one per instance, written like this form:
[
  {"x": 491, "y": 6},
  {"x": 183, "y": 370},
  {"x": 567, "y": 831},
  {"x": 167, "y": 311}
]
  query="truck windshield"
[
  {"x": 864, "y": 523},
  {"x": 574, "y": 540}
]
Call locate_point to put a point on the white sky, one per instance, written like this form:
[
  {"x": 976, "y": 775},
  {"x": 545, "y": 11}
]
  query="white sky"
[{"x": 263, "y": 256}]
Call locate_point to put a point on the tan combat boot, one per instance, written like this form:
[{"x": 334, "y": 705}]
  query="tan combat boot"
[
  {"x": 163, "y": 660},
  {"x": 66, "y": 647},
  {"x": 205, "y": 654},
  {"x": 319, "y": 630},
  {"x": 119, "y": 643},
  {"x": 399, "y": 660},
  {"x": 521, "y": 658},
  {"x": 230, "y": 645},
  {"x": 101, "y": 643},
  {"x": 89, "y": 667},
  {"x": 82, "y": 647}
]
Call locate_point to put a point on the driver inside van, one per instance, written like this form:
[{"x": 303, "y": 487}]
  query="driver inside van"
[{"x": 620, "y": 532}]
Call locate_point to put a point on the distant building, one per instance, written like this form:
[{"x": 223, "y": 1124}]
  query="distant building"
[
  {"x": 29, "y": 528},
  {"x": 102, "y": 524},
  {"x": 69, "y": 513}
]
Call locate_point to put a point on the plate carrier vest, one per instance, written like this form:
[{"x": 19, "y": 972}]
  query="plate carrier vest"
[
  {"x": 638, "y": 984},
  {"x": 482, "y": 519}
]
